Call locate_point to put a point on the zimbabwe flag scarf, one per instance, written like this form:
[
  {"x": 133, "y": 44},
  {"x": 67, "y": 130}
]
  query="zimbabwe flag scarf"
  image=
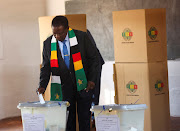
[{"x": 81, "y": 81}]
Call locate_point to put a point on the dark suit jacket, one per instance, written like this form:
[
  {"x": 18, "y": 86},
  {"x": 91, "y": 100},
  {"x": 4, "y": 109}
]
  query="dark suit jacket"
[
  {"x": 101, "y": 60},
  {"x": 68, "y": 82}
]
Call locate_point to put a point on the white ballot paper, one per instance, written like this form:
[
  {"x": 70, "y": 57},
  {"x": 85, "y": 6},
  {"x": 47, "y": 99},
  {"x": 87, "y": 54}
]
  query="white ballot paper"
[
  {"x": 107, "y": 123},
  {"x": 41, "y": 99},
  {"x": 33, "y": 122}
]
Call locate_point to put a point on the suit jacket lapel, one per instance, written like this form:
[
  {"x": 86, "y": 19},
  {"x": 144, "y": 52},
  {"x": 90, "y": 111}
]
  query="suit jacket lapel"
[{"x": 71, "y": 67}]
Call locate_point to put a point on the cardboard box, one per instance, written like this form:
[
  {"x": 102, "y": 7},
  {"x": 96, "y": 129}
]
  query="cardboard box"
[
  {"x": 115, "y": 85},
  {"x": 145, "y": 83},
  {"x": 140, "y": 35}
]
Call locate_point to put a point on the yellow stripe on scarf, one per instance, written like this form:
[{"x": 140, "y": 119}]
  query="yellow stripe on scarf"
[
  {"x": 78, "y": 65},
  {"x": 53, "y": 55}
]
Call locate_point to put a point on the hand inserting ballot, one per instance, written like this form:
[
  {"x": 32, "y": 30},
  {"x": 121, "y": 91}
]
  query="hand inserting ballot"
[{"x": 41, "y": 90}]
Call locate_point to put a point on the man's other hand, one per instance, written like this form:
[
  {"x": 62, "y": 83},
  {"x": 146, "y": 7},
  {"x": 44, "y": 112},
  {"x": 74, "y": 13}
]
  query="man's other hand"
[{"x": 90, "y": 86}]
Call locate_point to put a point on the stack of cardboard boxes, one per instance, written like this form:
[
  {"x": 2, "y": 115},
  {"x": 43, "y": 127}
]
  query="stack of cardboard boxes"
[{"x": 140, "y": 69}]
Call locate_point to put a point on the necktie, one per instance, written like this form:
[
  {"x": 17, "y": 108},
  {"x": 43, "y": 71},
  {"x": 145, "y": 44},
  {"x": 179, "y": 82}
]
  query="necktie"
[{"x": 65, "y": 52}]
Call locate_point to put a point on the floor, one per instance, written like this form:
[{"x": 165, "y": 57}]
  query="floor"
[{"x": 14, "y": 124}]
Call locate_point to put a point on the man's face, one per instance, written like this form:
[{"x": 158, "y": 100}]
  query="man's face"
[{"x": 60, "y": 32}]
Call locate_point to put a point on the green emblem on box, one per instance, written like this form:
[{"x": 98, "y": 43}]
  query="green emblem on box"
[{"x": 132, "y": 87}]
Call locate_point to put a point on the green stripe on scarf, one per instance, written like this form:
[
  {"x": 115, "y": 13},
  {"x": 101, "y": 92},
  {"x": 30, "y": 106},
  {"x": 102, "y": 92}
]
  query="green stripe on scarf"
[
  {"x": 56, "y": 92},
  {"x": 71, "y": 34},
  {"x": 81, "y": 79},
  {"x": 53, "y": 47}
]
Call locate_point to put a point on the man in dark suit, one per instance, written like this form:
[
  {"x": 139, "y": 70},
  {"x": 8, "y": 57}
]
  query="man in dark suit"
[{"x": 71, "y": 60}]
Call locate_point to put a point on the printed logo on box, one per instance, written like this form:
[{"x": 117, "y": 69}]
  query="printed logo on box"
[
  {"x": 159, "y": 86},
  {"x": 132, "y": 87},
  {"x": 153, "y": 33},
  {"x": 127, "y": 34}
]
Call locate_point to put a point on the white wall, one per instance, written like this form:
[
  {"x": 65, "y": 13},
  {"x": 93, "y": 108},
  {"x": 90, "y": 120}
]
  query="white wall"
[
  {"x": 174, "y": 87},
  {"x": 55, "y": 7},
  {"x": 19, "y": 63}
]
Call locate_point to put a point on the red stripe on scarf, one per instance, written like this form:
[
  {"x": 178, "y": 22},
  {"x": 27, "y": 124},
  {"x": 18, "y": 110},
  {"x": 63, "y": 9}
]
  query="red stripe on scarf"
[
  {"x": 54, "y": 63},
  {"x": 76, "y": 57}
]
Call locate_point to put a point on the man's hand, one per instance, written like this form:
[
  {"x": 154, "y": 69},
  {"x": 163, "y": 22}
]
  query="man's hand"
[
  {"x": 90, "y": 86},
  {"x": 41, "y": 90}
]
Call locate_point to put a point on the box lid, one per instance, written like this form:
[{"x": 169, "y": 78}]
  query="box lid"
[
  {"x": 120, "y": 107},
  {"x": 47, "y": 104}
]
